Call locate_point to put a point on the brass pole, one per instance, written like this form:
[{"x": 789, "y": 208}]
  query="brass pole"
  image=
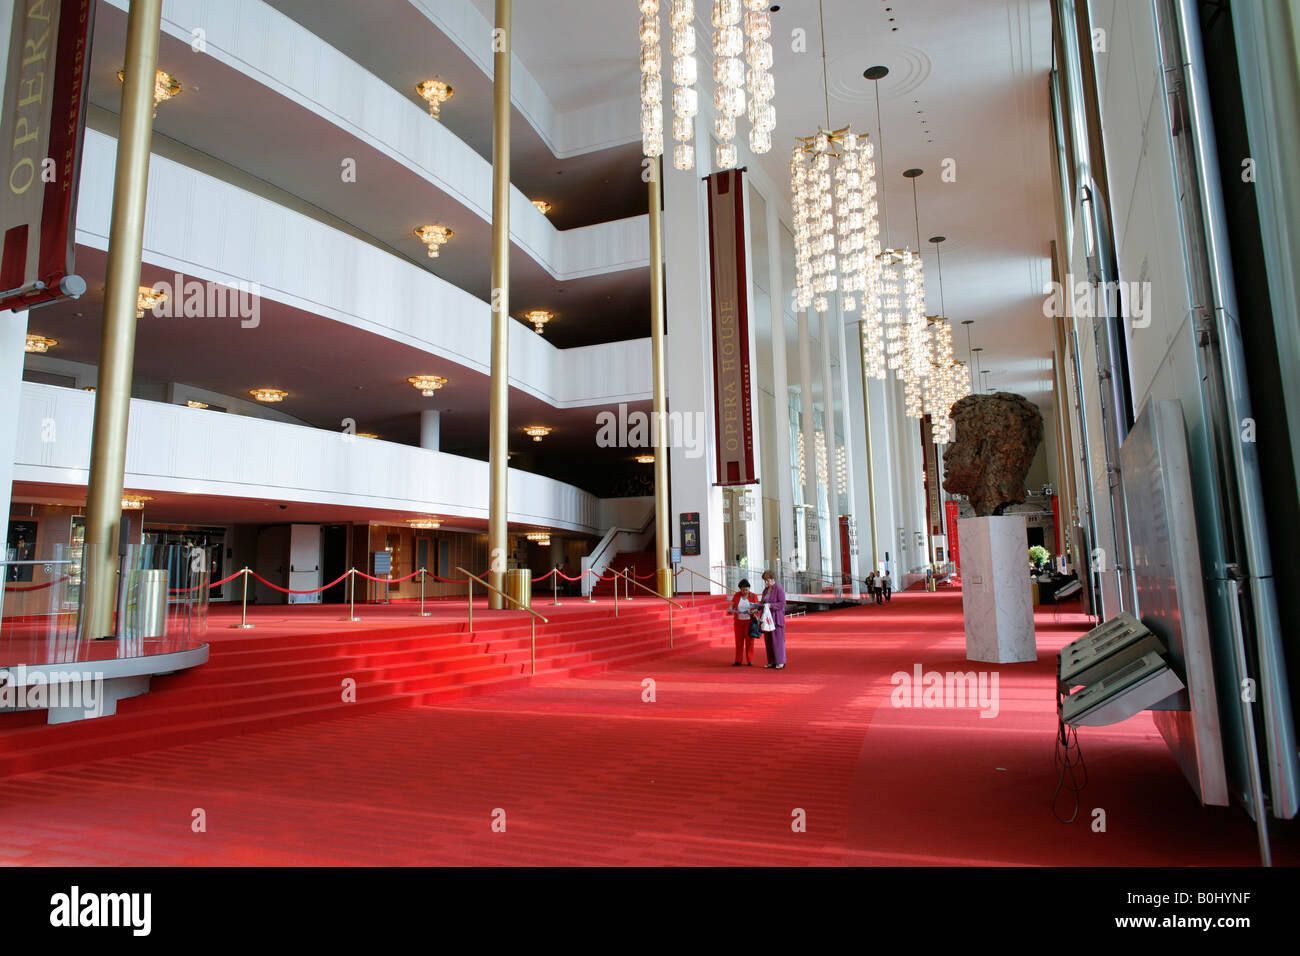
[
  {"x": 499, "y": 411},
  {"x": 871, "y": 471},
  {"x": 117, "y": 336},
  {"x": 663, "y": 534}
]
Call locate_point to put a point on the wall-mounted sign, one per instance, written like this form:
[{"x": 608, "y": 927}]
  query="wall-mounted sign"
[{"x": 690, "y": 532}]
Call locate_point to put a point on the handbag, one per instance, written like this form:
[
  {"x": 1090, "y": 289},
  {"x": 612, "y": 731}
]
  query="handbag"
[
  {"x": 754, "y": 630},
  {"x": 767, "y": 623}
]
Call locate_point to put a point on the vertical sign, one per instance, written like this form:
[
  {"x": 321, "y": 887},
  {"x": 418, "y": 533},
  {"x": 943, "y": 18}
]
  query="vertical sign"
[
  {"x": 954, "y": 552},
  {"x": 41, "y": 127},
  {"x": 690, "y": 531},
  {"x": 930, "y": 454},
  {"x": 733, "y": 414}
]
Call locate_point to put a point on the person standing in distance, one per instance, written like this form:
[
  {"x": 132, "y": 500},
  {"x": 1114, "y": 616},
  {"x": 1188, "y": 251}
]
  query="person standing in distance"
[{"x": 773, "y": 599}]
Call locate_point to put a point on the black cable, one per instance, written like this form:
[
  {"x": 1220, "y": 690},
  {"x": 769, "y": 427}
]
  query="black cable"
[{"x": 1066, "y": 763}]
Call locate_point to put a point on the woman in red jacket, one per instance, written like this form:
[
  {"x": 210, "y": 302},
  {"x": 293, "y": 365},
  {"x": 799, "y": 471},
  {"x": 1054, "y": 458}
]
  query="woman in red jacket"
[{"x": 743, "y": 608}]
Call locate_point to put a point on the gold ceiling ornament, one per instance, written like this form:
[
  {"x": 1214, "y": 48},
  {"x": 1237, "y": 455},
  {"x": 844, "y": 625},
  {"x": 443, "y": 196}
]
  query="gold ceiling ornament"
[
  {"x": 537, "y": 432},
  {"x": 191, "y": 403},
  {"x": 435, "y": 93},
  {"x": 539, "y": 318},
  {"x": 424, "y": 523},
  {"x": 148, "y": 298},
  {"x": 427, "y": 384},
  {"x": 165, "y": 86},
  {"x": 38, "y": 344},
  {"x": 433, "y": 236},
  {"x": 542, "y": 206},
  {"x": 134, "y": 502},
  {"x": 269, "y": 395}
]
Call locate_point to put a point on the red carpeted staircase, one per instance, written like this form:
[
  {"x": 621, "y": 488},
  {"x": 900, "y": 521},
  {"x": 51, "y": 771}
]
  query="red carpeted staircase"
[
  {"x": 639, "y": 564},
  {"x": 253, "y": 682}
]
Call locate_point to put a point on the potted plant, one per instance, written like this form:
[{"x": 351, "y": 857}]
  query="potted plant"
[{"x": 1038, "y": 557}]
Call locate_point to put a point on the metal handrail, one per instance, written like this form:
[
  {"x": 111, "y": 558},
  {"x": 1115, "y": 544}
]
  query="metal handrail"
[
  {"x": 532, "y": 623},
  {"x": 671, "y": 603},
  {"x": 710, "y": 580}
]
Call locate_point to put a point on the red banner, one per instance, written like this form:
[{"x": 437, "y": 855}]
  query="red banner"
[
  {"x": 44, "y": 115},
  {"x": 731, "y": 395},
  {"x": 934, "y": 515},
  {"x": 954, "y": 552}
]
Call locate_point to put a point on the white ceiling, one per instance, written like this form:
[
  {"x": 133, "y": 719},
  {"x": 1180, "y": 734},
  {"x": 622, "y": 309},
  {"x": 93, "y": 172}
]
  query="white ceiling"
[{"x": 967, "y": 83}]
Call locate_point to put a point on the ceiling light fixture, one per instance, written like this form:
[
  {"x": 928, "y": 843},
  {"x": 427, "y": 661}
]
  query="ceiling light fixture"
[
  {"x": 146, "y": 299},
  {"x": 435, "y": 93},
  {"x": 38, "y": 344},
  {"x": 427, "y": 384},
  {"x": 134, "y": 502},
  {"x": 539, "y": 537},
  {"x": 833, "y": 180},
  {"x": 542, "y": 206},
  {"x": 433, "y": 236},
  {"x": 424, "y": 523},
  {"x": 741, "y": 29},
  {"x": 165, "y": 86},
  {"x": 645, "y": 459},
  {"x": 269, "y": 395},
  {"x": 191, "y": 403},
  {"x": 537, "y": 432},
  {"x": 539, "y": 318},
  {"x": 916, "y": 357}
]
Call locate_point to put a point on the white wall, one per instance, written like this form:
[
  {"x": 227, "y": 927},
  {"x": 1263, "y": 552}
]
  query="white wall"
[
  {"x": 252, "y": 38},
  {"x": 172, "y": 448},
  {"x": 305, "y": 264}
]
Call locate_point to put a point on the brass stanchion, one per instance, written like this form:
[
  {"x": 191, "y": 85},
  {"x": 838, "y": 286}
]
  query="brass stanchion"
[
  {"x": 591, "y": 593},
  {"x": 470, "y": 595},
  {"x": 555, "y": 585},
  {"x": 627, "y": 587},
  {"x": 615, "y": 591},
  {"x": 423, "y": 574},
  {"x": 352, "y": 596},
  {"x": 243, "y": 611}
]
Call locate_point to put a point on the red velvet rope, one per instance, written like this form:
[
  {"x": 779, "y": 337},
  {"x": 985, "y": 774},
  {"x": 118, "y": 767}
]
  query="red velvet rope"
[
  {"x": 311, "y": 591},
  {"x": 36, "y": 587},
  {"x": 382, "y": 580},
  {"x": 197, "y": 586}
]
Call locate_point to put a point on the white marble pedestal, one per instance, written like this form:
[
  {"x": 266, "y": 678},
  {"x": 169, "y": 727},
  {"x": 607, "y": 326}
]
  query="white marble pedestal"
[{"x": 996, "y": 599}]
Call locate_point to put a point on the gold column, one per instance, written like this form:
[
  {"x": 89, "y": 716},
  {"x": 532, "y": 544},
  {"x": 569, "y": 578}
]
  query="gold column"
[
  {"x": 663, "y": 527},
  {"x": 499, "y": 410},
  {"x": 871, "y": 468},
  {"x": 117, "y": 337}
]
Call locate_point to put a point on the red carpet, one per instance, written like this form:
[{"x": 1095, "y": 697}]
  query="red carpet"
[{"x": 587, "y": 772}]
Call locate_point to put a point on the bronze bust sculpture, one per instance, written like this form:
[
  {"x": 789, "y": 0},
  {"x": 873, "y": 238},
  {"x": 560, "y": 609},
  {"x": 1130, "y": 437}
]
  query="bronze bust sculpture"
[{"x": 996, "y": 438}]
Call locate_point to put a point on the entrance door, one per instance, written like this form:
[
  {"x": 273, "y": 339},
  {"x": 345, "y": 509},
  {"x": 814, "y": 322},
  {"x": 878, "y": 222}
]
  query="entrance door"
[
  {"x": 334, "y": 561},
  {"x": 304, "y": 562}
]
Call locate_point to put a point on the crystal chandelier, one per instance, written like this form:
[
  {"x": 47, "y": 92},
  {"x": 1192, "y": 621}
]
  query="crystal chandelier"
[
  {"x": 165, "y": 86},
  {"x": 537, "y": 432},
  {"x": 832, "y": 178},
  {"x": 539, "y": 318},
  {"x": 947, "y": 382},
  {"x": 424, "y": 523},
  {"x": 916, "y": 360},
  {"x": 426, "y": 384},
  {"x": 146, "y": 299},
  {"x": 652, "y": 109},
  {"x": 435, "y": 237},
  {"x": 742, "y": 63},
  {"x": 435, "y": 93},
  {"x": 539, "y": 537}
]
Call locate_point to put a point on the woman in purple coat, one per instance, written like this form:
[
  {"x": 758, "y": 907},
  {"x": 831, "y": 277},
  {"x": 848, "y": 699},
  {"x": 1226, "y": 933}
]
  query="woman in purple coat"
[{"x": 774, "y": 599}]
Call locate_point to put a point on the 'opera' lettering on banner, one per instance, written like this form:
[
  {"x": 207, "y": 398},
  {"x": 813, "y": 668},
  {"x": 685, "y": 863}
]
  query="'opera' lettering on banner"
[{"x": 731, "y": 384}]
